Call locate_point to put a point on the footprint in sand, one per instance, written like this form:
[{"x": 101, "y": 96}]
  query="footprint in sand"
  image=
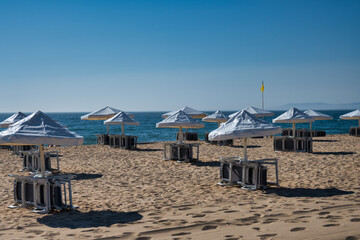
[
  {"x": 180, "y": 234},
  {"x": 331, "y": 225},
  {"x": 296, "y": 229},
  {"x": 323, "y": 213},
  {"x": 355, "y": 220},
  {"x": 143, "y": 238},
  {"x": 351, "y": 238},
  {"x": 208, "y": 227},
  {"x": 266, "y": 236}
]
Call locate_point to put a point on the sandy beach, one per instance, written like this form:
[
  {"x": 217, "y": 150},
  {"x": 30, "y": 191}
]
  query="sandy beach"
[{"x": 136, "y": 195}]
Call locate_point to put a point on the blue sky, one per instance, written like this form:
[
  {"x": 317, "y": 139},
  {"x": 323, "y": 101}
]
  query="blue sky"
[{"x": 162, "y": 55}]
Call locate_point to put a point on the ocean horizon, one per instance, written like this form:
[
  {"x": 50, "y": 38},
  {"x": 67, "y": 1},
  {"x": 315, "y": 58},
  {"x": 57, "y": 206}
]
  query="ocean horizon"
[{"x": 147, "y": 131}]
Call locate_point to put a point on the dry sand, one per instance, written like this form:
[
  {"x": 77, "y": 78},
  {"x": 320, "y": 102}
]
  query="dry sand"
[{"x": 136, "y": 195}]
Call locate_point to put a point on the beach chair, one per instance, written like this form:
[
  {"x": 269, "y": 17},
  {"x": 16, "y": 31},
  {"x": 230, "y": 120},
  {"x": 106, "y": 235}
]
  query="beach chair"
[
  {"x": 293, "y": 144},
  {"x": 181, "y": 152},
  {"x": 43, "y": 193},
  {"x": 31, "y": 161},
  {"x": 249, "y": 174},
  {"x": 355, "y": 131},
  {"x": 123, "y": 141}
]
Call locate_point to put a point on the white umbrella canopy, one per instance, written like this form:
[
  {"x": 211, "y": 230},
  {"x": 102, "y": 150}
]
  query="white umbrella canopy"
[
  {"x": 293, "y": 115},
  {"x": 317, "y": 116},
  {"x": 257, "y": 112},
  {"x": 39, "y": 129},
  {"x": 179, "y": 120},
  {"x": 120, "y": 118},
  {"x": 243, "y": 125},
  {"x": 102, "y": 114},
  {"x": 12, "y": 119},
  {"x": 352, "y": 115},
  {"x": 189, "y": 111},
  {"x": 217, "y": 116}
]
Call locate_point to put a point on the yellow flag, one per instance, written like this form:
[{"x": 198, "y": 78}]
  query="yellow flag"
[{"x": 262, "y": 87}]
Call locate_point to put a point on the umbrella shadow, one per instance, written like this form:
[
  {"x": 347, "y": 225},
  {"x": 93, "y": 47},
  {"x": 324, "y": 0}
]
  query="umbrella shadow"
[
  {"x": 249, "y": 146},
  {"x": 334, "y": 153},
  {"x": 147, "y": 150},
  {"x": 76, "y": 219},
  {"x": 85, "y": 176},
  {"x": 307, "y": 192},
  {"x": 324, "y": 140},
  {"x": 206, "y": 164}
]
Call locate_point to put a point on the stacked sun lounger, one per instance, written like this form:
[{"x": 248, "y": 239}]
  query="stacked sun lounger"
[
  {"x": 42, "y": 193},
  {"x": 303, "y": 133},
  {"x": 103, "y": 139},
  {"x": 250, "y": 174},
  {"x": 123, "y": 141},
  {"x": 19, "y": 149},
  {"x": 293, "y": 144},
  {"x": 31, "y": 161},
  {"x": 182, "y": 152},
  {"x": 189, "y": 136},
  {"x": 355, "y": 131}
]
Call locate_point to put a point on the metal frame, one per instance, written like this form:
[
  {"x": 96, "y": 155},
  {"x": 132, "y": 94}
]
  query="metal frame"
[
  {"x": 179, "y": 146},
  {"x": 237, "y": 160},
  {"x": 47, "y": 203}
]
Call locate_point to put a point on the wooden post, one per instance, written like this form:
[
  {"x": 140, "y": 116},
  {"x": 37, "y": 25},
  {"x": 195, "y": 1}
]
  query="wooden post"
[{"x": 42, "y": 159}]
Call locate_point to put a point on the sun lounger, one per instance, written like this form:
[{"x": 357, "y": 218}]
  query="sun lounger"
[
  {"x": 189, "y": 136},
  {"x": 249, "y": 174},
  {"x": 182, "y": 152},
  {"x": 102, "y": 139},
  {"x": 303, "y": 133},
  {"x": 31, "y": 161},
  {"x": 18, "y": 149},
  {"x": 44, "y": 194},
  {"x": 293, "y": 144},
  {"x": 355, "y": 131},
  {"x": 123, "y": 141}
]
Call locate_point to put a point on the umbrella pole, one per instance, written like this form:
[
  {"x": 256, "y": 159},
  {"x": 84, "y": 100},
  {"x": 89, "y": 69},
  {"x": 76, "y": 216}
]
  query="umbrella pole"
[
  {"x": 107, "y": 126},
  {"x": 293, "y": 129},
  {"x": 42, "y": 159},
  {"x": 219, "y": 124},
  {"x": 359, "y": 122},
  {"x": 310, "y": 126},
  {"x": 245, "y": 149},
  {"x": 180, "y": 135},
  {"x": 122, "y": 129}
]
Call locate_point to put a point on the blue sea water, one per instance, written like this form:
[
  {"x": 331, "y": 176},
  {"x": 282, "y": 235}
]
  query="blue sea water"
[{"x": 147, "y": 131}]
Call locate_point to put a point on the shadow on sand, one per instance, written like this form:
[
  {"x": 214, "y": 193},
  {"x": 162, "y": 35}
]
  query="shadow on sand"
[
  {"x": 76, "y": 219},
  {"x": 147, "y": 150},
  {"x": 324, "y": 140},
  {"x": 206, "y": 164},
  {"x": 333, "y": 153},
  {"x": 85, "y": 176},
  {"x": 307, "y": 192},
  {"x": 250, "y": 146}
]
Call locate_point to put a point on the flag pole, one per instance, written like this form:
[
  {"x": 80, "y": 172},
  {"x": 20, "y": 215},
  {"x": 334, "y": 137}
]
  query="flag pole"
[{"x": 262, "y": 94}]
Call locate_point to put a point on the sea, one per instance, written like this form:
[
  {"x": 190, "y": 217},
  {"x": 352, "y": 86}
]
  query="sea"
[{"x": 147, "y": 131}]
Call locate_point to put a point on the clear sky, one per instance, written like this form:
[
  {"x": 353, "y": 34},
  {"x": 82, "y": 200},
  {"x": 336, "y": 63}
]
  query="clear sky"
[{"x": 161, "y": 55}]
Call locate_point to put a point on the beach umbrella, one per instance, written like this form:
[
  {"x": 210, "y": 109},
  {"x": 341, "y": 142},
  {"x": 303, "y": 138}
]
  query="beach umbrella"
[
  {"x": 317, "y": 116},
  {"x": 293, "y": 116},
  {"x": 12, "y": 119},
  {"x": 189, "y": 111},
  {"x": 217, "y": 116},
  {"x": 352, "y": 115},
  {"x": 102, "y": 114},
  {"x": 179, "y": 120},
  {"x": 120, "y": 118},
  {"x": 39, "y": 129},
  {"x": 257, "y": 112},
  {"x": 243, "y": 125}
]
